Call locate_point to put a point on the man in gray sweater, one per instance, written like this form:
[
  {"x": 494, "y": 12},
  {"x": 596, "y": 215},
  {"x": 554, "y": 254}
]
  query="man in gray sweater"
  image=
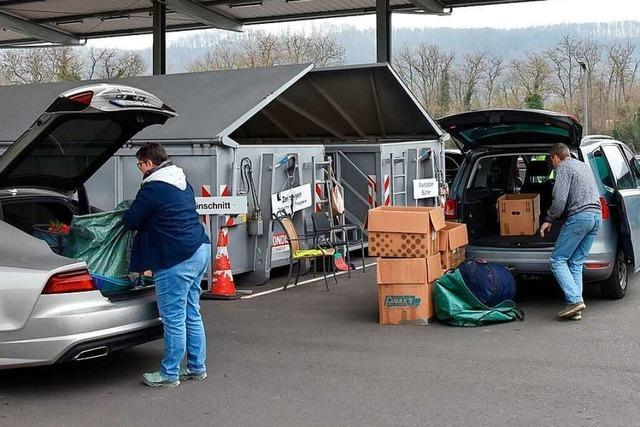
[{"x": 576, "y": 197}]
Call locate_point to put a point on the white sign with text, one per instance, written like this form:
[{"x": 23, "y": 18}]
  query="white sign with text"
[
  {"x": 425, "y": 188},
  {"x": 301, "y": 197},
  {"x": 232, "y": 205}
]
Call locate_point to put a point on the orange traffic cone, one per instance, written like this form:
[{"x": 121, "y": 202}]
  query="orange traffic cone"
[{"x": 223, "y": 287}]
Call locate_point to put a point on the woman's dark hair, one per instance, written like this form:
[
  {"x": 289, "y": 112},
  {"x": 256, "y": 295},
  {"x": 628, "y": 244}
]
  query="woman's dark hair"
[{"x": 154, "y": 152}]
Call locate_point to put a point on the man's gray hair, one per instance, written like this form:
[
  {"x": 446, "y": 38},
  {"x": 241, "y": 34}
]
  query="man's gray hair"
[{"x": 561, "y": 150}]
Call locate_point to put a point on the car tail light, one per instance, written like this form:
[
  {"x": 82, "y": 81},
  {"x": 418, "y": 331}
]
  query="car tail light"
[
  {"x": 604, "y": 207},
  {"x": 64, "y": 283},
  {"x": 596, "y": 265},
  {"x": 82, "y": 97},
  {"x": 451, "y": 209}
]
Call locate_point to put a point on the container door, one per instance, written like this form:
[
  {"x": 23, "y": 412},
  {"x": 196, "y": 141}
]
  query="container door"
[{"x": 626, "y": 172}]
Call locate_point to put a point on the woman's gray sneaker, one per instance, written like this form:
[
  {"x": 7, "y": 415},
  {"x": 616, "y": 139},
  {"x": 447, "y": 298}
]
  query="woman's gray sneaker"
[
  {"x": 156, "y": 379},
  {"x": 185, "y": 374}
]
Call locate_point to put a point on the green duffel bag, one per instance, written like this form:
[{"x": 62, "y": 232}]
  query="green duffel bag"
[
  {"x": 102, "y": 242},
  {"x": 456, "y": 305}
]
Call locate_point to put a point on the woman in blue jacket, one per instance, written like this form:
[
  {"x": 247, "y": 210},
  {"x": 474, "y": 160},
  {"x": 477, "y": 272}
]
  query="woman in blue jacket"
[{"x": 171, "y": 242}]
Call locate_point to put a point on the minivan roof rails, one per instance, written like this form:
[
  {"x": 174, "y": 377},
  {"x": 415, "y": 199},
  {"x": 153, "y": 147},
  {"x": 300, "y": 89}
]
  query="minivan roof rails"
[{"x": 597, "y": 137}]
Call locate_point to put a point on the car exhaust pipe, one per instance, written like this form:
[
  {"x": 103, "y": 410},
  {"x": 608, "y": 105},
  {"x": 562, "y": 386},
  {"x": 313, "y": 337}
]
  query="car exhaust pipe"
[{"x": 92, "y": 353}]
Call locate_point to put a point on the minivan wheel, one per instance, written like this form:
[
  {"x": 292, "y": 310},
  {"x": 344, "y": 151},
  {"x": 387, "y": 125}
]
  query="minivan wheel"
[{"x": 615, "y": 287}]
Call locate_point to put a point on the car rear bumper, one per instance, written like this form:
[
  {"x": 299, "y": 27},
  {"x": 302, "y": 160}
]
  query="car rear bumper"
[
  {"x": 536, "y": 262},
  {"x": 60, "y": 331}
]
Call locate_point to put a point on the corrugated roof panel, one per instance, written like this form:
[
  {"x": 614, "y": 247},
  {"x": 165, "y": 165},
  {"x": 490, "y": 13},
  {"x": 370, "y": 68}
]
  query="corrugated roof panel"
[
  {"x": 98, "y": 15},
  {"x": 281, "y": 8},
  {"x": 57, "y": 8}
]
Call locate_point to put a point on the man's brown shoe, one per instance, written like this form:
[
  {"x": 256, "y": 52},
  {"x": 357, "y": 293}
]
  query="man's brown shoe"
[
  {"x": 577, "y": 316},
  {"x": 572, "y": 309}
]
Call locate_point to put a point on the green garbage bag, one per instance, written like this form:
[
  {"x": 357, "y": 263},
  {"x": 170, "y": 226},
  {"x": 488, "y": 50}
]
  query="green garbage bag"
[
  {"x": 102, "y": 242},
  {"x": 456, "y": 305}
]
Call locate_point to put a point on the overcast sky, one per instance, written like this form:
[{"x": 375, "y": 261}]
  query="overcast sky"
[{"x": 501, "y": 16}]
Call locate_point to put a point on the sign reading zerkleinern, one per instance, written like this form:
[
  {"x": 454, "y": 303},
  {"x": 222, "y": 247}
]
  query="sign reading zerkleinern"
[{"x": 221, "y": 205}]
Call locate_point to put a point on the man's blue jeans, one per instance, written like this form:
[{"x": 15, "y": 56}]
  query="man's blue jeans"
[
  {"x": 571, "y": 250},
  {"x": 178, "y": 290}
]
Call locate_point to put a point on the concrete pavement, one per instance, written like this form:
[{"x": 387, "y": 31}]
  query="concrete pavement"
[{"x": 308, "y": 357}]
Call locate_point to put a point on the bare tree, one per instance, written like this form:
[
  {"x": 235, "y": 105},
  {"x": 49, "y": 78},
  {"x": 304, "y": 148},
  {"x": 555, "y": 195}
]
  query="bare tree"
[
  {"x": 534, "y": 76},
  {"x": 492, "y": 71},
  {"x": 466, "y": 79},
  {"x": 112, "y": 63}
]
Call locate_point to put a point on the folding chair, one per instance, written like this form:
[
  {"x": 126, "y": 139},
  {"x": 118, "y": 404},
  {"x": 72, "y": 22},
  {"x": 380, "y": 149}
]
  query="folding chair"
[
  {"x": 338, "y": 236},
  {"x": 298, "y": 253}
]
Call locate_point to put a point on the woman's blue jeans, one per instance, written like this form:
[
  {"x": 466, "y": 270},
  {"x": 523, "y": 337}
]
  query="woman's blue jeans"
[
  {"x": 571, "y": 250},
  {"x": 178, "y": 290}
]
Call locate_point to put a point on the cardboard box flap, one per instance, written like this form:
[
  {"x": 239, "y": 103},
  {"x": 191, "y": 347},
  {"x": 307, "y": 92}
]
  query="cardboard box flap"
[
  {"x": 453, "y": 235},
  {"x": 437, "y": 219},
  {"x": 402, "y": 219},
  {"x": 434, "y": 268}
]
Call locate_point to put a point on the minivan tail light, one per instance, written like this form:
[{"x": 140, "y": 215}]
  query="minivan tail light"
[
  {"x": 451, "y": 209},
  {"x": 604, "y": 207},
  {"x": 596, "y": 265},
  {"x": 82, "y": 97},
  {"x": 74, "y": 281}
]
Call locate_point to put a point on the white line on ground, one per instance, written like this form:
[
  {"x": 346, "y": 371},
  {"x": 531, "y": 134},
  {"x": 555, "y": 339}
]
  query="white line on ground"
[{"x": 315, "y": 279}]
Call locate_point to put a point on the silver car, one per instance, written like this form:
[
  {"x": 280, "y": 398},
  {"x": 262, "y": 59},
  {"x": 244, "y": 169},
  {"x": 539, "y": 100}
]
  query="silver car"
[
  {"x": 506, "y": 152},
  {"x": 50, "y": 309}
]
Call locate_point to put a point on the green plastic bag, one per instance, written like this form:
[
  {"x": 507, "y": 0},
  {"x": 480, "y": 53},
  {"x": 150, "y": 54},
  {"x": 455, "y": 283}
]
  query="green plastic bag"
[
  {"x": 102, "y": 242},
  {"x": 456, "y": 305}
]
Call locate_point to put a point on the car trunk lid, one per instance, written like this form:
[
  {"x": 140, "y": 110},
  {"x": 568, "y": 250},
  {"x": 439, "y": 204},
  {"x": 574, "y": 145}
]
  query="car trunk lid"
[
  {"x": 77, "y": 134},
  {"x": 511, "y": 128}
]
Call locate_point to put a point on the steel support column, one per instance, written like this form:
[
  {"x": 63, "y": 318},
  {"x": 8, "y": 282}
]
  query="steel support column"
[
  {"x": 383, "y": 31},
  {"x": 159, "y": 38}
]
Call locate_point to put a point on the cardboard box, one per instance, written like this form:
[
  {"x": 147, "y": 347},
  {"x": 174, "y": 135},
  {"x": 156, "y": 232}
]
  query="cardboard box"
[
  {"x": 404, "y": 232},
  {"x": 519, "y": 214},
  {"x": 453, "y": 240},
  {"x": 453, "y": 258},
  {"x": 453, "y": 235},
  {"x": 408, "y": 270},
  {"x": 405, "y": 291}
]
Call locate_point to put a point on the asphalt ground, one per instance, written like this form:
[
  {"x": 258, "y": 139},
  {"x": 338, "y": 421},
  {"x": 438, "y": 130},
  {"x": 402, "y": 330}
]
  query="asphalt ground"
[{"x": 311, "y": 357}]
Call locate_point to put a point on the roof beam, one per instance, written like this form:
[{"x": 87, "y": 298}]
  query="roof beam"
[
  {"x": 203, "y": 14},
  {"x": 430, "y": 6},
  {"x": 320, "y": 123},
  {"x": 40, "y": 32},
  {"x": 336, "y": 106},
  {"x": 278, "y": 124}
]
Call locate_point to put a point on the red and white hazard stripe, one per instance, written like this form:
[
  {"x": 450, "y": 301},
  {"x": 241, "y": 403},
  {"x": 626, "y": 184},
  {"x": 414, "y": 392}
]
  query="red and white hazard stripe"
[
  {"x": 205, "y": 191},
  {"x": 371, "y": 187},
  {"x": 386, "y": 190},
  {"x": 225, "y": 191},
  {"x": 319, "y": 196},
  {"x": 229, "y": 220}
]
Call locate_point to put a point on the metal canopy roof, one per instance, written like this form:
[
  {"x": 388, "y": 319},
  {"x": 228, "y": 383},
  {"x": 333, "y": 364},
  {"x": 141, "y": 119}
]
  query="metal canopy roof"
[
  {"x": 71, "y": 21},
  {"x": 288, "y": 104}
]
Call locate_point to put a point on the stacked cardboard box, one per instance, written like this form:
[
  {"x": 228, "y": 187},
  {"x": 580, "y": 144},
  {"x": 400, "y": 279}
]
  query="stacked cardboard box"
[
  {"x": 453, "y": 242},
  {"x": 407, "y": 242}
]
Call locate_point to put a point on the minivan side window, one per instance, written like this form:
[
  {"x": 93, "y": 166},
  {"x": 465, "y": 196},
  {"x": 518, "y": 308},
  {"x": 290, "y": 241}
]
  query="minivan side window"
[
  {"x": 602, "y": 168},
  {"x": 634, "y": 164},
  {"x": 492, "y": 172},
  {"x": 619, "y": 167}
]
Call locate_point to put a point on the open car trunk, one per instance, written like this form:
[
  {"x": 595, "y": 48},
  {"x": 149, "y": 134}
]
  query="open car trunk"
[
  {"x": 25, "y": 212},
  {"x": 512, "y": 173},
  {"x": 481, "y": 216}
]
